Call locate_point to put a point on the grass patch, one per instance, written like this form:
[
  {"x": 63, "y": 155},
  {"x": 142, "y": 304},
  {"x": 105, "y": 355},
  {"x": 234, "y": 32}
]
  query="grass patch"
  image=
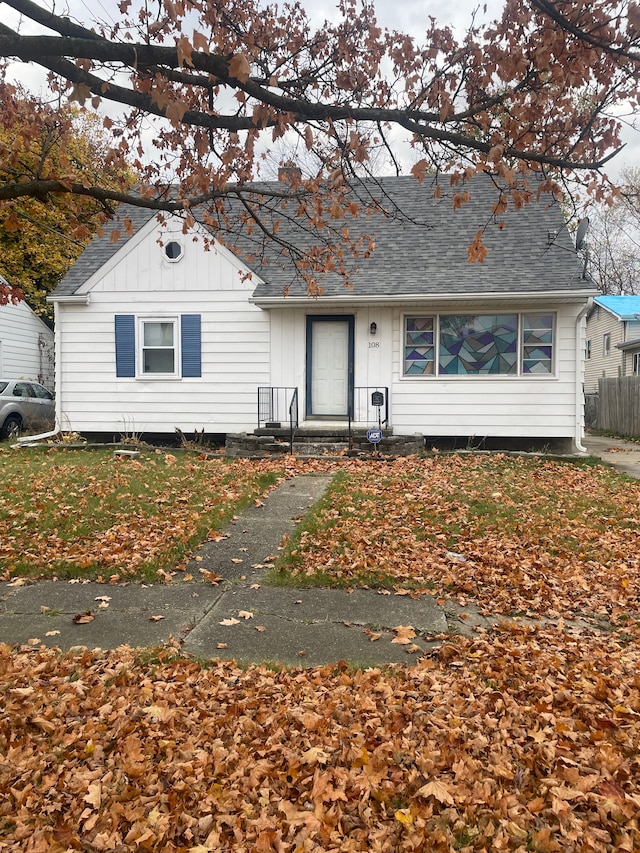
[
  {"x": 517, "y": 534},
  {"x": 84, "y": 513}
]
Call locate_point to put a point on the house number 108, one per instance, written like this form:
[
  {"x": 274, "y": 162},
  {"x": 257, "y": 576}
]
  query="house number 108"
[{"x": 374, "y": 344}]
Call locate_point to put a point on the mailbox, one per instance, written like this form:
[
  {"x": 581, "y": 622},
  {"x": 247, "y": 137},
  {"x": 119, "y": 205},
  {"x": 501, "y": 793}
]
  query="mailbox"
[{"x": 377, "y": 399}]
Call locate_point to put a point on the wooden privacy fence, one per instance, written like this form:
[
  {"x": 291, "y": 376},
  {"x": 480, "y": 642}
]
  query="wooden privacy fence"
[{"x": 619, "y": 405}]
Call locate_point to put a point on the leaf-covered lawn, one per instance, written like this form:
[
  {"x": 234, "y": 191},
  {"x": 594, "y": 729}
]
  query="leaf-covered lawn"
[
  {"x": 522, "y": 739},
  {"x": 86, "y": 513},
  {"x": 527, "y": 741},
  {"x": 515, "y": 534}
]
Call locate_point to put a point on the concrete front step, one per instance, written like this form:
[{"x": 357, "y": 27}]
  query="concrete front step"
[{"x": 319, "y": 443}]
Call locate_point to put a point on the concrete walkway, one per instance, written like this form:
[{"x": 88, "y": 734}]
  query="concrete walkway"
[
  {"x": 239, "y": 617},
  {"x": 622, "y": 455}
]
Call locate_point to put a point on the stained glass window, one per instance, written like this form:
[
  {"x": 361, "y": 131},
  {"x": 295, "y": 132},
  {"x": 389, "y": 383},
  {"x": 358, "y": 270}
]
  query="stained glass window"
[
  {"x": 537, "y": 343},
  {"x": 479, "y": 343},
  {"x": 419, "y": 346}
]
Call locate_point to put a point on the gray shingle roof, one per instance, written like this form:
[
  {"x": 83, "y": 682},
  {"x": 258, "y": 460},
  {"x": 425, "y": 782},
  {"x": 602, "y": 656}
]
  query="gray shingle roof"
[
  {"x": 421, "y": 246},
  {"x": 101, "y": 249}
]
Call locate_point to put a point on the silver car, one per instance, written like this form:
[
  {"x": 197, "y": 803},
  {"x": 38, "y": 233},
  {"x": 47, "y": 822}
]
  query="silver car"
[{"x": 24, "y": 405}]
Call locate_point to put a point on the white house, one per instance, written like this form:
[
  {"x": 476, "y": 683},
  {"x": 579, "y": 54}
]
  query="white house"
[
  {"x": 155, "y": 332},
  {"x": 612, "y": 339},
  {"x": 26, "y": 344}
]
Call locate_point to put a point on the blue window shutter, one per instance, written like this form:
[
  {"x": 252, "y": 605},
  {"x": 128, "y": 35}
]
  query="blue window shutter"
[
  {"x": 191, "y": 345},
  {"x": 125, "y": 345}
]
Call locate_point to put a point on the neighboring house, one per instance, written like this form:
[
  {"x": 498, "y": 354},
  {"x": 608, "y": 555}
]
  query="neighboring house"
[
  {"x": 613, "y": 340},
  {"x": 26, "y": 344},
  {"x": 154, "y": 332}
]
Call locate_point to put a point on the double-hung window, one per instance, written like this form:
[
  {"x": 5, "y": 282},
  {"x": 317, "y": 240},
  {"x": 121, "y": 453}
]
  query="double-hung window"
[
  {"x": 158, "y": 346},
  {"x": 479, "y": 344}
]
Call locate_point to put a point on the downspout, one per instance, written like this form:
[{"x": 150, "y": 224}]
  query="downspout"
[
  {"x": 26, "y": 440},
  {"x": 579, "y": 385}
]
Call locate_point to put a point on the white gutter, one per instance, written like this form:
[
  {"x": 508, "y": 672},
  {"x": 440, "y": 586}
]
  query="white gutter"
[
  {"x": 73, "y": 299},
  {"x": 560, "y": 297},
  {"x": 579, "y": 385}
]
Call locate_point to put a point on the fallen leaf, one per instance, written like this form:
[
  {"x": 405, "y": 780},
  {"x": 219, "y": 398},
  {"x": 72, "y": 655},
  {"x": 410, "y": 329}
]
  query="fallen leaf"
[
  {"x": 404, "y": 817},
  {"x": 22, "y": 692},
  {"x": 230, "y": 621},
  {"x": 315, "y": 755},
  {"x": 83, "y": 618},
  {"x": 52, "y": 633},
  {"x": 437, "y": 790},
  {"x": 260, "y": 628},
  {"x": 94, "y": 796},
  {"x": 404, "y": 634},
  {"x": 245, "y": 614},
  {"x": 211, "y": 577},
  {"x": 222, "y": 646},
  {"x": 155, "y": 618}
]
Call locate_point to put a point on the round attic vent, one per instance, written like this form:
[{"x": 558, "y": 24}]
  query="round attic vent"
[{"x": 173, "y": 250}]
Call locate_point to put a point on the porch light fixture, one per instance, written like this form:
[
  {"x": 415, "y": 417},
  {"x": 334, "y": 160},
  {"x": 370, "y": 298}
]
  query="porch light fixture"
[{"x": 373, "y": 328}]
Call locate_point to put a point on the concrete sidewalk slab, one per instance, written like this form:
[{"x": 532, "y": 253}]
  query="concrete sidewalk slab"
[
  {"x": 296, "y": 643},
  {"x": 311, "y": 626},
  {"x": 622, "y": 455}
]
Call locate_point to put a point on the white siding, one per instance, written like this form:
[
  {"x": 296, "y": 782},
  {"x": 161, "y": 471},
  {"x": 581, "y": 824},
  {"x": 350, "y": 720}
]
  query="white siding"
[
  {"x": 505, "y": 406},
  {"x": 600, "y": 323},
  {"x": 521, "y": 407},
  {"x": 26, "y": 345},
  {"x": 139, "y": 281}
]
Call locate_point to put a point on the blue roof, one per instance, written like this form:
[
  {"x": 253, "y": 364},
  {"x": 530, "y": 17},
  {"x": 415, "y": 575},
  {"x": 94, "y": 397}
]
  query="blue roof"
[{"x": 624, "y": 307}]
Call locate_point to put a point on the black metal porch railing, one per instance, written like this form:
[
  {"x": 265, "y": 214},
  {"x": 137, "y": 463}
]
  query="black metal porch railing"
[
  {"x": 278, "y": 408},
  {"x": 293, "y": 418},
  {"x": 369, "y": 405}
]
